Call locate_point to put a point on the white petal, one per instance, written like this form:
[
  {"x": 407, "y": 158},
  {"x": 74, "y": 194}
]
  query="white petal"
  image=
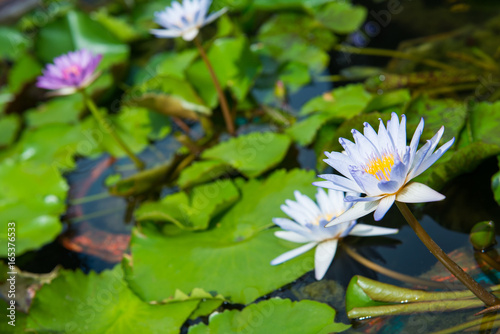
[
  {"x": 324, "y": 257},
  {"x": 190, "y": 34},
  {"x": 364, "y": 230},
  {"x": 290, "y": 225},
  {"x": 415, "y": 192},
  {"x": 330, "y": 185},
  {"x": 359, "y": 209},
  {"x": 165, "y": 33},
  {"x": 341, "y": 182},
  {"x": 430, "y": 160},
  {"x": 384, "y": 206},
  {"x": 291, "y": 236},
  {"x": 214, "y": 16},
  {"x": 293, "y": 253}
]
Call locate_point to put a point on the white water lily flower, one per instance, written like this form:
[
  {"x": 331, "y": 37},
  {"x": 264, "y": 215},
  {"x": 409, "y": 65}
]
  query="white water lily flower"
[
  {"x": 184, "y": 19},
  {"x": 308, "y": 226},
  {"x": 381, "y": 165}
]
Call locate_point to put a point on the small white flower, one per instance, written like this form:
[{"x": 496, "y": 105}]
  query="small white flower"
[
  {"x": 308, "y": 226},
  {"x": 381, "y": 165},
  {"x": 184, "y": 19}
]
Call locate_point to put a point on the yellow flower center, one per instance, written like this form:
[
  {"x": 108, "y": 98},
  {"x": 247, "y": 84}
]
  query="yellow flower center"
[
  {"x": 71, "y": 70},
  {"x": 322, "y": 217},
  {"x": 380, "y": 167}
]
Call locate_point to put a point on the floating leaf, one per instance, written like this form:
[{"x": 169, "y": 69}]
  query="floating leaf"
[
  {"x": 485, "y": 122},
  {"x": 170, "y": 105},
  {"x": 12, "y": 43},
  {"x": 35, "y": 210},
  {"x": 64, "y": 109},
  {"x": 25, "y": 70},
  {"x": 9, "y": 126},
  {"x": 175, "y": 64},
  {"x": 283, "y": 30},
  {"x": 295, "y": 75},
  {"x": 159, "y": 263},
  {"x": 274, "y": 316},
  {"x": 191, "y": 212},
  {"x": 304, "y": 132},
  {"x": 251, "y": 154},
  {"x": 341, "y": 17},
  {"x": 116, "y": 25},
  {"x": 342, "y": 103},
  {"x": 461, "y": 161},
  {"x": 436, "y": 113},
  {"x": 201, "y": 172},
  {"x": 98, "y": 303},
  {"x": 388, "y": 100},
  {"x": 74, "y": 31}
]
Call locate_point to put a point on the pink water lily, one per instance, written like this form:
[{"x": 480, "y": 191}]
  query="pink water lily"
[
  {"x": 184, "y": 20},
  {"x": 380, "y": 166},
  {"x": 308, "y": 227},
  {"x": 70, "y": 72}
]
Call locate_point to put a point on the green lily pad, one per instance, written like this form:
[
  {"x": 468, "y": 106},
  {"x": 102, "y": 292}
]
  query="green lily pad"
[
  {"x": 341, "y": 17},
  {"x": 455, "y": 163},
  {"x": 283, "y": 30},
  {"x": 342, "y": 103},
  {"x": 485, "y": 122},
  {"x": 274, "y": 316},
  {"x": 12, "y": 43},
  {"x": 64, "y": 109},
  {"x": 175, "y": 64},
  {"x": 388, "y": 100},
  {"x": 102, "y": 303},
  {"x": 235, "y": 65},
  {"x": 304, "y": 132},
  {"x": 436, "y": 113},
  {"x": 20, "y": 320},
  {"x": 35, "y": 210},
  {"x": 201, "y": 172},
  {"x": 191, "y": 212},
  {"x": 118, "y": 26},
  {"x": 74, "y": 31},
  {"x": 295, "y": 75},
  {"x": 160, "y": 263},
  {"x": 251, "y": 154},
  {"x": 9, "y": 126},
  {"x": 25, "y": 70}
]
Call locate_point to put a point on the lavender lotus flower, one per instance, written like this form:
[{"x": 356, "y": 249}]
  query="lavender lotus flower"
[
  {"x": 70, "y": 72},
  {"x": 184, "y": 19},
  {"x": 381, "y": 166},
  {"x": 309, "y": 223}
]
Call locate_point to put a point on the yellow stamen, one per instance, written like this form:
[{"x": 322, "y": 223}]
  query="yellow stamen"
[{"x": 380, "y": 168}]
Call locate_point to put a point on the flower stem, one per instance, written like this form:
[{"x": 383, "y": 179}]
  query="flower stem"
[
  {"x": 393, "y": 274},
  {"x": 220, "y": 93},
  {"x": 486, "y": 297},
  {"x": 107, "y": 127}
]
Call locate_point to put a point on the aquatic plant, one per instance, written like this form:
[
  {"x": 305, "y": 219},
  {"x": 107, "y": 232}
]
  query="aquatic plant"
[{"x": 308, "y": 226}]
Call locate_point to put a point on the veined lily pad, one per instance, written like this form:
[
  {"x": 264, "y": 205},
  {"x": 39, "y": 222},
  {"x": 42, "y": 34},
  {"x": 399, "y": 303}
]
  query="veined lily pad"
[
  {"x": 35, "y": 210},
  {"x": 191, "y": 212},
  {"x": 241, "y": 246},
  {"x": 341, "y": 17},
  {"x": 102, "y": 303},
  {"x": 202, "y": 171},
  {"x": 251, "y": 154},
  {"x": 274, "y": 316}
]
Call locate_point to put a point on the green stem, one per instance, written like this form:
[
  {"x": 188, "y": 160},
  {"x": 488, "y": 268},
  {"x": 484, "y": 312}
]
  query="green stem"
[
  {"x": 394, "y": 54},
  {"x": 486, "y": 297},
  {"x": 390, "y": 273},
  {"x": 222, "y": 99},
  {"x": 107, "y": 127}
]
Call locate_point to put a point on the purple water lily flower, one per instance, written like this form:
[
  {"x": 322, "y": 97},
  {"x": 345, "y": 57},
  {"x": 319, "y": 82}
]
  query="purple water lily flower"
[
  {"x": 308, "y": 227},
  {"x": 70, "y": 72},
  {"x": 381, "y": 166},
  {"x": 184, "y": 19}
]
